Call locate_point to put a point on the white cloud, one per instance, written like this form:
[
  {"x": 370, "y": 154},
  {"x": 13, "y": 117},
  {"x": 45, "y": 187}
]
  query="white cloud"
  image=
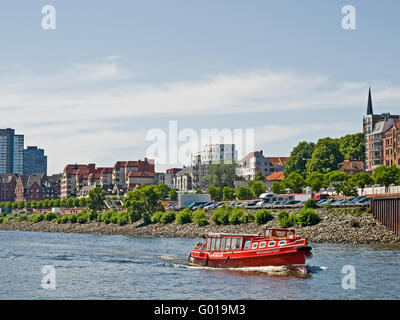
[{"x": 70, "y": 113}]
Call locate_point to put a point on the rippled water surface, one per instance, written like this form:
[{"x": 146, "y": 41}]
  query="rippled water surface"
[{"x": 119, "y": 267}]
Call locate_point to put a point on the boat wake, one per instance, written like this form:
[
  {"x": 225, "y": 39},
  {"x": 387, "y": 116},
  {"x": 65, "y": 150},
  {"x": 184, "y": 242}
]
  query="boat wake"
[{"x": 267, "y": 270}]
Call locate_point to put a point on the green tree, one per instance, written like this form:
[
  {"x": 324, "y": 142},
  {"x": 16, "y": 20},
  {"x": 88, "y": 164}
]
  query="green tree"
[
  {"x": 198, "y": 191},
  {"x": 278, "y": 187},
  {"x": 336, "y": 179},
  {"x": 96, "y": 198},
  {"x": 259, "y": 176},
  {"x": 298, "y": 158},
  {"x": 294, "y": 182},
  {"x": 149, "y": 197},
  {"x": 163, "y": 191},
  {"x": 257, "y": 188},
  {"x": 215, "y": 193},
  {"x": 244, "y": 193},
  {"x": 325, "y": 157},
  {"x": 221, "y": 175},
  {"x": 173, "y": 195},
  {"x": 82, "y": 202},
  {"x": 361, "y": 180},
  {"x": 352, "y": 146},
  {"x": 228, "y": 194},
  {"x": 316, "y": 181},
  {"x": 385, "y": 176}
]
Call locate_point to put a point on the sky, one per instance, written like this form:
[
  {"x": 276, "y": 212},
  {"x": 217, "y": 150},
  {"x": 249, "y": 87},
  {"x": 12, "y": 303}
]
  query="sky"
[{"x": 95, "y": 88}]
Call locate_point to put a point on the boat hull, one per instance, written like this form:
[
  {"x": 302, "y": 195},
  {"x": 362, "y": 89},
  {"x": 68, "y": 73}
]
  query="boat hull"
[{"x": 257, "y": 259}]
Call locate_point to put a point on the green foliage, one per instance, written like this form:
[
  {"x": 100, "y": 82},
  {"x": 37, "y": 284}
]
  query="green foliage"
[
  {"x": 82, "y": 218},
  {"x": 257, "y": 188},
  {"x": 352, "y": 146},
  {"x": 361, "y": 180},
  {"x": 92, "y": 215},
  {"x": 244, "y": 193},
  {"x": 200, "y": 218},
  {"x": 73, "y": 218},
  {"x": 235, "y": 215},
  {"x": 198, "y": 191},
  {"x": 316, "y": 181},
  {"x": 298, "y": 158},
  {"x": 173, "y": 195},
  {"x": 247, "y": 217},
  {"x": 221, "y": 174},
  {"x": 294, "y": 182},
  {"x": 310, "y": 203},
  {"x": 22, "y": 217},
  {"x": 259, "y": 176},
  {"x": 168, "y": 217},
  {"x": 136, "y": 210},
  {"x": 221, "y": 215},
  {"x": 156, "y": 217},
  {"x": 228, "y": 194},
  {"x": 62, "y": 220},
  {"x": 215, "y": 193},
  {"x": 96, "y": 198},
  {"x": 163, "y": 191},
  {"x": 184, "y": 216},
  {"x": 36, "y": 217},
  {"x": 50, "y": 216},
  {"x": 385, "y": 176},
  {"x": 262, "y": 216},
  {"x": 122, "y": 218},
  {"x": 325, "y": 157},
  {"x": 149, "y": 201},
  {"x": 308, "y": 217},
  {"x": 286, "y": 220},
  {"x": 278, "y": 187}
]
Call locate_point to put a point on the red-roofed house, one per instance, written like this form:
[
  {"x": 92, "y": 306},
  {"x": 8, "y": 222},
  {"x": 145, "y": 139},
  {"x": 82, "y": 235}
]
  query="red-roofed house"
[{"x": 274, "y": 177}]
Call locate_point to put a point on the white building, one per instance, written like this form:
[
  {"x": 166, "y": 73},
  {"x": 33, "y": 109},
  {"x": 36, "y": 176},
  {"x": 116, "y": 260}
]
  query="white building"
[
  {"x": 216, "y": 153},
  {"x": 256, "y": 161}
]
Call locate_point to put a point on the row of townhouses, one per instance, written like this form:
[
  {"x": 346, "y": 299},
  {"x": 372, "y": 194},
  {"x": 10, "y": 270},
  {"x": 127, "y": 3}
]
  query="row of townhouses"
[
  {"x": 78, "y": 179},
  {"x": 15, "y": 187}
]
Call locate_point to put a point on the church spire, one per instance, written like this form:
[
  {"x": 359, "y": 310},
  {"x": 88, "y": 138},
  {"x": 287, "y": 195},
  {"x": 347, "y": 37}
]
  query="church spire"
[{"x": 369, "y": 108}]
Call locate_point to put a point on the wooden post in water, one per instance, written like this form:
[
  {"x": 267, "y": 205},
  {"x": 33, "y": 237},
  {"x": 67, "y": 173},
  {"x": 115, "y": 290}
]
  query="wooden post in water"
[{"x": 386, "y": 210}]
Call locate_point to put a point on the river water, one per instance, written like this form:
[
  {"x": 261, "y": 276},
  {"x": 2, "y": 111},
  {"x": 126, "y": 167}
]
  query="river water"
[{"x": 120, "y": 267}]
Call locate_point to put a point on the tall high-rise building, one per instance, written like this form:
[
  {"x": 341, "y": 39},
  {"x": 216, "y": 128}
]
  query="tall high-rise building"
[
  {"x": 34, "y": 161},
  {"x": 11, "y": 152}
]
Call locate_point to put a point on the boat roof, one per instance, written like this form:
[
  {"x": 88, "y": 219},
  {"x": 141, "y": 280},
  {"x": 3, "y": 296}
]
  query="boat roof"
[{"x": 219, "y": 234}]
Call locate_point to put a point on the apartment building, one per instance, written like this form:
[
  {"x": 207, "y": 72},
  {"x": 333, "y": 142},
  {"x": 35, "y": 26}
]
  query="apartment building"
[
  {"x": 256, "y": 162},
  {"x": 11, "y": 152},
  {"x": 380, "y": 137},
  {"x": 78, "y": 179}
]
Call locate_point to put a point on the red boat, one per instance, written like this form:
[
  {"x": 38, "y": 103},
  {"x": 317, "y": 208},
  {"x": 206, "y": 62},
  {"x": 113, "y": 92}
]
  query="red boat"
[{"x": 276, "y": 247}]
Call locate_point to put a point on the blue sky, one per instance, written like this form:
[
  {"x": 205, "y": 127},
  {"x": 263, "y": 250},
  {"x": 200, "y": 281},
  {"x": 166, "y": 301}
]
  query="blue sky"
[{"x": 90, "y": 90}]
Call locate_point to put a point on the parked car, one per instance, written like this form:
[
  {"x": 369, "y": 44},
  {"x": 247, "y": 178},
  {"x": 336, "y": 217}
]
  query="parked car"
[
  {"x": 290, "y": 203},
  {"x": 251, "y": 204},
  {"x": 363, "y": 202},
  {"x": 299, "y": 204},
  {"x": 277, "y": 204}
]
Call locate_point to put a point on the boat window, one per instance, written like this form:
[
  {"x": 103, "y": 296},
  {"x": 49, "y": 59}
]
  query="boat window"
[
  {"x": 223, "y": 240},
  {"x": 212, "y": 243},
  {"x": 208, "y": 243},
  {"x": 228, "y": 244},
  {"x": 217, "y": 243},
  {"x": 254, "y": 246},
  {"x": 263, "y": 244},
  {"x": 247, "y": 244},
  {"x": 239, "y": 243},
  {"x": 281, "y": 243},
  {"x": 271, "y": 243}
]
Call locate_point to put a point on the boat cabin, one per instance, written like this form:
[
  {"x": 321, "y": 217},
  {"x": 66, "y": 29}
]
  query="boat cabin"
[{"x": 236, "y": 242}]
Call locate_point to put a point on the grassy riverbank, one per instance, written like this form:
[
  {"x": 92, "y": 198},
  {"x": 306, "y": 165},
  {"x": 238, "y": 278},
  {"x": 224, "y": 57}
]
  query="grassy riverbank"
[{"x": 335, "y": 226}]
